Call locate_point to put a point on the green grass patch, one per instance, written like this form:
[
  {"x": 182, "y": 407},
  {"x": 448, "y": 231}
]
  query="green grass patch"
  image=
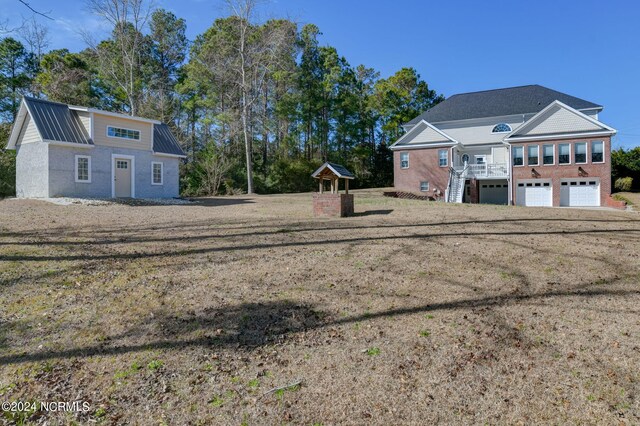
[
  {"x": 155, "y": 364},
  {"x": 373, "y": 351}
]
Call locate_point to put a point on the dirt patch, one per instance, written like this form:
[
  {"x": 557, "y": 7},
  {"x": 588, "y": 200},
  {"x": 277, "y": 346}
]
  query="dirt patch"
[{"x": 411, "y": 312}]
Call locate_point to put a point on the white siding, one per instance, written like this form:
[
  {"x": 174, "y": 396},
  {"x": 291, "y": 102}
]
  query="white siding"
[
  {"x": 85, "y": 119},
  {"x": 560, "y": 120},
  {"x": 29, "y": 132},
  {"x": 480, "y": 131},
  {"x": 428, "y": 135},
  {"x": 499, "y": 154}
]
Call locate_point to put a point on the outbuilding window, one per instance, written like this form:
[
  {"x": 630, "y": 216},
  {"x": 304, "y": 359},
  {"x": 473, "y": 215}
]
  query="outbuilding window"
[
  {"x": 117, "y": 132},
  {"x": 157, "y": 173},
  {"x": 404, "y": 160},
  {"x": 83, "y": 169}
]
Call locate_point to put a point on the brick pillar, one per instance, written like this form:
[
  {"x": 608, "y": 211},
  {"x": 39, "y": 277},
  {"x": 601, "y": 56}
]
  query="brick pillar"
[{"x": 474, "y": 189}]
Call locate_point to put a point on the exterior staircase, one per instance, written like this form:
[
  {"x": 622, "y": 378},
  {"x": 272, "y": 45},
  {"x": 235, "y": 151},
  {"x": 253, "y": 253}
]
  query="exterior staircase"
[{"x": 455, "y": 189}]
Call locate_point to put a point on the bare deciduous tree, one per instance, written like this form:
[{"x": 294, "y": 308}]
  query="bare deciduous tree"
[
  {"x": 120, "y": 58},
  {"x": 258, "y": 55},
  {"x": 36, "y": 36}
]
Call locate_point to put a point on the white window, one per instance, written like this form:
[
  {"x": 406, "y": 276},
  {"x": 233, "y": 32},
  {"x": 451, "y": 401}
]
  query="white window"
[
  {"x": 547, "y": 155},
  {"x": 518, "y": 156},
  {"x": 597, "y": 152},
  {"x": 117, "y": 132},
  {"x": 424, "y": 186},
  {"x": 443, "y": 157},
  {"x": 404, "y": 160},
  {"x": 564, "y": 153},
  {"x": 157, "y": 173},
  {"x": 580, "y": 154},
  {"x": 83, "y": 168},
  {"x": 532, "y": 155}
]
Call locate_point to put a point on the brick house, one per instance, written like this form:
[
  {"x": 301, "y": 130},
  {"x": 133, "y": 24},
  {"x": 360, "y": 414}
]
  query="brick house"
[{"x": 527, "y": 145}]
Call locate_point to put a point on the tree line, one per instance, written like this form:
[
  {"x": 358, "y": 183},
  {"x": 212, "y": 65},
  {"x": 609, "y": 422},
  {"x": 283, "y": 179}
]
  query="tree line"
[{"x": 257, "y": 106}]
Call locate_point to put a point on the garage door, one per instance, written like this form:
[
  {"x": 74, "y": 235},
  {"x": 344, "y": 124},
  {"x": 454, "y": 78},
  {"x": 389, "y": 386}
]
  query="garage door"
[
  {"x": 494, "y": 192},
  {"x": 580, "y": 192},
  {"x": 534, "y": 193}
]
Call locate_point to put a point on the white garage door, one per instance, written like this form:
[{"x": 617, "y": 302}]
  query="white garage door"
[
  {"x": 534, "y": 193},
  {"x": 580, "y": 192},
  {"x": 494, "y": 192}
]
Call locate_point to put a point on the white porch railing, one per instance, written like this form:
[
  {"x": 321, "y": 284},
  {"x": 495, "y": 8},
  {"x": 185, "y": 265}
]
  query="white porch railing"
[{"x": 487, "y": 170}]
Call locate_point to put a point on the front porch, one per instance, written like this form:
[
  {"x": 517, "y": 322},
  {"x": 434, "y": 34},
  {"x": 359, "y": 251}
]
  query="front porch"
[
  {"x": 481, "y": 162},
  {"x": 483, "y": 171}
]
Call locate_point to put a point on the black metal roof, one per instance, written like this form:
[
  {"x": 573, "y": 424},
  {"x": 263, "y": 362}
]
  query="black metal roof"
[
  {"x": 338, "y": 169},
  {"x": 499, "y": 102},
  {"x": 164, "y": 142},
  {"x": 56, "y": 122}
]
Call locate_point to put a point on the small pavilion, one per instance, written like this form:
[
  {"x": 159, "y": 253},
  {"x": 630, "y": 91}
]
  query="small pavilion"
[{"x": 332, "y": 204}]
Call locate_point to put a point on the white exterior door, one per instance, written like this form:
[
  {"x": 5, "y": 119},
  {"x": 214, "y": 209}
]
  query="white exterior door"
[
  {"x": 534, "y": 193},
  {"x": 122, "y": 178},
  {"x": 580, "y": 192}
]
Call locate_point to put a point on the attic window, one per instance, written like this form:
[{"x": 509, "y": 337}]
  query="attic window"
[
  {"x": 116, "y": 132},
  {"x": 501, "y": 128}
]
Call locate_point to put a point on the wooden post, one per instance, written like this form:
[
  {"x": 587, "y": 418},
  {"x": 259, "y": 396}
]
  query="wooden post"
[
  {"x": 346, "y": 186},
  {"x": 321, "y": 185}
]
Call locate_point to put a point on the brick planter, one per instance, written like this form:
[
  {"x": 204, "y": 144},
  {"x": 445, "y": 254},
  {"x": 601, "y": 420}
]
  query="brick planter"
[{"x": 332, "y": 205}]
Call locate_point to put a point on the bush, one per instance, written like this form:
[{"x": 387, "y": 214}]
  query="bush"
[
  {"x": 292, "y": 175},
  {"x": 7, "y": 173},
  {"x": 623, "y": 184}
]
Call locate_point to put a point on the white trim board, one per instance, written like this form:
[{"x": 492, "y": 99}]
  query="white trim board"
[
  {"x": 414, "y": 129},
  {"x": 422, "y": 145},
  {"x": 70, "y": 144},
  {"x": 559, "y": 136},
  {"x": 516, "y": 134},
  {"x": 162, "y": 154}
]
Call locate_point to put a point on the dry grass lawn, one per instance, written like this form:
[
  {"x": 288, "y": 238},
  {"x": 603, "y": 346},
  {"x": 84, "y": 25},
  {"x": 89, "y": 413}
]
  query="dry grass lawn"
[{"x": 409, "y": 313}]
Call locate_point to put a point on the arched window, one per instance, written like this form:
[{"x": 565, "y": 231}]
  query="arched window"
[{"x": 501, "y": 128}]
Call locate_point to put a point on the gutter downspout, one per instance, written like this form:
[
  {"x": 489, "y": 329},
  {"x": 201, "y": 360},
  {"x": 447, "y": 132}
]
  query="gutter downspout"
[{"x": 510, "y": 171}]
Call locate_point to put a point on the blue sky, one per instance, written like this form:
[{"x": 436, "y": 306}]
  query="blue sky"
[{"x": 585, "y": 48}]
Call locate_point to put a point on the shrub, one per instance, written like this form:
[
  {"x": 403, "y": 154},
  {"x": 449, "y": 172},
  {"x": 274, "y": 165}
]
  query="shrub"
[{"x": 623, "y": 184}]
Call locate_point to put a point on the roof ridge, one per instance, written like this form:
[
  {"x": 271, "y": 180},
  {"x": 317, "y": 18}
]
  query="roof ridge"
[
  {"x": 44, "y": 101},
  {"x": 502, "y": 88}
]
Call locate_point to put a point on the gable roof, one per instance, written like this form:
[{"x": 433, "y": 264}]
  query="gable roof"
[
  {"x": 56, "y": 122},
  {"x": 499, "y": 102},
  {"x": 164, "y": 142},
  {"x": 558, "y": 119},
  {"x": 60, "y": 122},
  {"x": 423, "y": 133},
  {"x": 337, "y": 169}
]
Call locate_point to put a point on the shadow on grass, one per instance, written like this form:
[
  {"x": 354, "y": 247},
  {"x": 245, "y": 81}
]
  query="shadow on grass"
[
  {"x": 250, "y": 325},
  {"x": 303, "y": 243},
  {"x": 373, "y": 213}
]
